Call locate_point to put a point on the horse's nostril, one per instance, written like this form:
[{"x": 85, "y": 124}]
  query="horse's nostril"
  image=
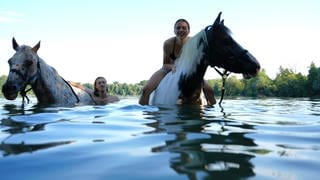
[{"x": 9, "y": 87}]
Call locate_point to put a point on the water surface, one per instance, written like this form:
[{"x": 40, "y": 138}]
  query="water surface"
[{"x": 245, "y": 138}]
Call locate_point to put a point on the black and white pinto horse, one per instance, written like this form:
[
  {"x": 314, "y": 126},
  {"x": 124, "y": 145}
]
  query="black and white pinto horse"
[
  {"x": 213, "y": 47},
  {"x": 27, "y": 68}
]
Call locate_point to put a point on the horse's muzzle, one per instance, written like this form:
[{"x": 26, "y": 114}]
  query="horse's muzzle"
[
  {"x": 251, "y": 74},
  {"x": 10, "y": 91}
]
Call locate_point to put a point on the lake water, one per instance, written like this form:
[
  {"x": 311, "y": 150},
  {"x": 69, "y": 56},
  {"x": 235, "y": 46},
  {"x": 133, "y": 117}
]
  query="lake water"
[{"x": 243, "y": 139}]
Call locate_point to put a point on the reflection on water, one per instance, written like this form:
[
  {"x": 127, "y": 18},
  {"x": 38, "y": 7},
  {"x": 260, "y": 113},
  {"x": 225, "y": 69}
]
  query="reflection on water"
[
  {"x": 204, "y": 147},
  {"x": 13, "y": 127},
  {"x": 244, "y": 138}
]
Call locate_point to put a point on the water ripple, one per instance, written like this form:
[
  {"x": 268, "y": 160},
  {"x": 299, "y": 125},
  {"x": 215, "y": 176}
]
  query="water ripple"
[{"x": 268, "y": 138}]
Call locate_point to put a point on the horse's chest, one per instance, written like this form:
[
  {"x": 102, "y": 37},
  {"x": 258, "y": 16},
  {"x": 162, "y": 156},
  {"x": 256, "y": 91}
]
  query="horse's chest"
[{"x": 194, "y": 98}]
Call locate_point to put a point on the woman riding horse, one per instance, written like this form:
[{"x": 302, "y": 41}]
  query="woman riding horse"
[{"x": 213, "y": 47}]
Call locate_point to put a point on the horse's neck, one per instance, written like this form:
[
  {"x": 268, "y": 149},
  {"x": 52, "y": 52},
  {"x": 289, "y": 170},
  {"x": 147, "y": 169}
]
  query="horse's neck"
[
  {"x": 42, "y": 92},
  {"x": 51, "y": 88},
  {"x": 193, "y": 65},
  {"x": 192, "y": 54},
  {"x": 189, "y": 83},
  {"x": 188, "y": 77}
]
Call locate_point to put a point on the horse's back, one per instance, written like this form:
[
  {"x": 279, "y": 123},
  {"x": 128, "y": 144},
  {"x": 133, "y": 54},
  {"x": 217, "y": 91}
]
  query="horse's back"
[
  {"x": 84, "y": 97},
  {"x": 167, "y": 92}
]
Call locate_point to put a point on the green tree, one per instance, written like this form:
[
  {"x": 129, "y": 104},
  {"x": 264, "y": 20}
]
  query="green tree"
[
  {"x": 234, "y": 86},
  {"x": 88, "y": 85},
  {"x": 217, "y": 85},
  {"x": 286, "y": 84},
  {"x": 289, "y": 84},
  {"x": 3, "y": 79},
  {"x": 313, "y": 81},
  {"x": 261, "y": 85}
]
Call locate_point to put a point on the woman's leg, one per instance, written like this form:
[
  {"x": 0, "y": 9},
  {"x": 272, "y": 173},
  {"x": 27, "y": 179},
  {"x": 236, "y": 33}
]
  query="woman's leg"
[
  {"x": 151, "y": 86},
  {"x": 208, "y": 93}
]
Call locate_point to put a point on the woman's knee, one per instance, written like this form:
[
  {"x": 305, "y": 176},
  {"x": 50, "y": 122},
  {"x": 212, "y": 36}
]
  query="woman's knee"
[{"x": 147, "y": 89}]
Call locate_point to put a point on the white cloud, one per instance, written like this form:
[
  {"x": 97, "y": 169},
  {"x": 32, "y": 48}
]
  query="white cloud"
[{"x": 10, "y": 16}]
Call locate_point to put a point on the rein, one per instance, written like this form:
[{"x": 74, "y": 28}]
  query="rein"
[
  {"x": 224, "y": 76},
  {"x": 23, "y": 93},
  {"x": 225, "y": 73},
  {"x": 74, "y": 93}
]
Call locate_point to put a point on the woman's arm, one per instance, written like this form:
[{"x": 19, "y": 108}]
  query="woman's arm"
[
  {"x": 167, "y": 61},
  {"x": 78, "y": 85},
  {"x": 112, "y": 99}
]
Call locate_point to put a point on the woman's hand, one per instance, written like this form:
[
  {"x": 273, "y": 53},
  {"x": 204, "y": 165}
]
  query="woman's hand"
[{"x": 173, "y": 68}]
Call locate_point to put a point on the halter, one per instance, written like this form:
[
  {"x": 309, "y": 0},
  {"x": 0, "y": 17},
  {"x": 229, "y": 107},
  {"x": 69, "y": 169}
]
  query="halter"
[
  {"x": 224, "y": 76},
  {"x": 225, "y": 73},
  {"x": 24, "y": 92}
]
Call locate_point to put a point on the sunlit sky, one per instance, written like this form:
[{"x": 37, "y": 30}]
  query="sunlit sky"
[{"x": 122, "y": 39}]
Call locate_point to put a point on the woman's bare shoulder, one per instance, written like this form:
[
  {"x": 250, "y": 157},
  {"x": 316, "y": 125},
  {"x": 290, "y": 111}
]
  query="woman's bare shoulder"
[
  {"x": 112, "y": 98},
  {"x": 169, "y": 41}
]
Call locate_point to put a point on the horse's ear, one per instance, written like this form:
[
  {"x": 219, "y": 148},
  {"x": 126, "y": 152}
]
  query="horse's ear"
[
  {"x": 217, "y": 21},
  {"x": 222, "y": 22},
  {"x": 15, "y": 45},
  {"x": 36, "y": 47}
]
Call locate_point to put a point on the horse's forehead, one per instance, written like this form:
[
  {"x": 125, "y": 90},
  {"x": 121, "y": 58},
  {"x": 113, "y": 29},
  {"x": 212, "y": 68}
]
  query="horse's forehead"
[
  {"x": 219, "y": 32},
  {"x": 223, "y": 35},
  {"x": 23, "y": 52}
]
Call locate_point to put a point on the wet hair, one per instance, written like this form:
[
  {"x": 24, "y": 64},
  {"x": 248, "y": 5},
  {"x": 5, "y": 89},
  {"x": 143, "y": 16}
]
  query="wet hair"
[
  {"x": 182, "y": 20},
  {"x": 95, "y": 92}
]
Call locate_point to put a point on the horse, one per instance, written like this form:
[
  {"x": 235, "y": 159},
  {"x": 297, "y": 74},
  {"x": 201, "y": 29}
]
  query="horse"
[
  {"x": 212, "y": 46},
  {"x": 27, "y": 68}
]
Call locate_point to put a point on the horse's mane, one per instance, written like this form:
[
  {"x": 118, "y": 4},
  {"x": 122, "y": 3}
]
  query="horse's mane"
[
  {"x": 192, "y": 52},
  {"x": 54, "y": 84},
  {"x": 207, "y": 48},
  {"x": 186, "y": 64}
]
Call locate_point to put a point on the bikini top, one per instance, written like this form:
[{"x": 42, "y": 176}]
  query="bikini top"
[{"x": 172, "y": 55}]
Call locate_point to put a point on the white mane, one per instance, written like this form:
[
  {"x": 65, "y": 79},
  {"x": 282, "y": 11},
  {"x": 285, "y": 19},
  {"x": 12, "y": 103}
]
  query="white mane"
[
  {"x": 192, "y": 53},
  {"x": 168, "y": 90}
]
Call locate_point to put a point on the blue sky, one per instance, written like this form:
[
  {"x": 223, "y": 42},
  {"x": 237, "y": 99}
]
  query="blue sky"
[{"x": 122, "y": 40}]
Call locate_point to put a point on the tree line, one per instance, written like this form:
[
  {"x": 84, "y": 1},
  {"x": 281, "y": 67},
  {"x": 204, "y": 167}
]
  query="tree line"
[{"x": 287, "y": 83}]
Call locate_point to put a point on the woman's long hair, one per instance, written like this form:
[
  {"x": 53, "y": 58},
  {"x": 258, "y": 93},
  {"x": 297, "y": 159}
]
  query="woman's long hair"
[{"x": 95, "y": 92}]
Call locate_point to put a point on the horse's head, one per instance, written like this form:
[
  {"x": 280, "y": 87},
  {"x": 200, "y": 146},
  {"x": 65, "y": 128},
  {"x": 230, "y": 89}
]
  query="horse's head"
[
  {"x": 223, "y": 51},
  {"x": 23, "y": 69}
]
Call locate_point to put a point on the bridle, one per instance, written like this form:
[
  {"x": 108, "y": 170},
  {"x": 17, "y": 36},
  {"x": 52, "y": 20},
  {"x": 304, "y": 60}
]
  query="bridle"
[
  {"x": 224, "y": 75},
  {"x": 32, "y": 79}
]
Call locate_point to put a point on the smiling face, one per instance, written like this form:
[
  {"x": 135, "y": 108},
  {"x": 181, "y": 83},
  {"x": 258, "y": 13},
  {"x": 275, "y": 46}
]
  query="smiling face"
[{"x": 181, "y": 29}]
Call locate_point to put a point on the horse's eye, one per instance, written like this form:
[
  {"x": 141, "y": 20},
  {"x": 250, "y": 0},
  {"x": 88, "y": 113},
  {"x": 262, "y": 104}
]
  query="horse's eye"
[{"x": 28, "y": 63}]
